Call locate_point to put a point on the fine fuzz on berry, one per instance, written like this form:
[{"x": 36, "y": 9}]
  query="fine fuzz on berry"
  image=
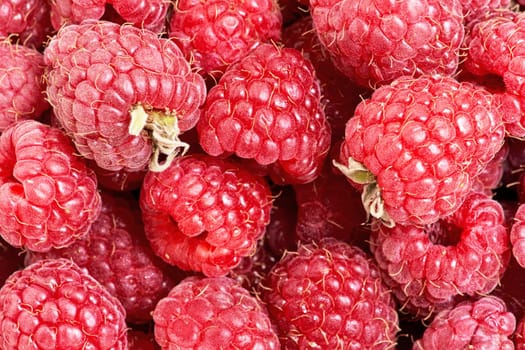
[
  {"x": 267, "y": 107},
  {"x": 204, "y": 214},
  {"x": 416, "y": 145},
  {"x": 329, "y": 295},
  {"x": 122, "y": 93},
  {"x": 212, "y": 313},
  {"x": 49, "y": 196},
  {"x": 54, "y": 304}
]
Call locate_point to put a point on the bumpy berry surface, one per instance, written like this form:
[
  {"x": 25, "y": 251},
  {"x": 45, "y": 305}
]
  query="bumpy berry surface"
[
  {"x": 21, "y": 84},
  {"x": 54, "y": 304},
  {"x": 517, "y": 235},
  {"x": 104, "y": 77},
  {"x": 374, "y": 42},
  {"x": 212, "y": 313},
  {"x": 204, "y": 213},
  {"x": 266, "y": 107},
  {"x": 474, "y": 10},
  {"x": 26, "y": 22},
  {"x": 430, "y": 268},
  {"x": 214, "y": 34},
  {"x": 116, "y": 253},
  {"x": 329, "y": 295},
  {"x": 419, "y": 143},
  {"x": 475, "y": 324},
  {"x": 49, "y": 196}
]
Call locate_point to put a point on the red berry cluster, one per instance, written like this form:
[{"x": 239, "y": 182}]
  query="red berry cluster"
[{"x": 260, "y": 175}]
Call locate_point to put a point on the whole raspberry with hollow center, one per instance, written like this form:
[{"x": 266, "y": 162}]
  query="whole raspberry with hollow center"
[
  {"x": 329, "y": 295},
  {"x": 215, "y": 33},
  {"x": 53, "y": 304},
  {"x": 416, "y": 144},
  {"x": 430, "y": 268},
  {"x": 212, "y": 313},
  {"x": 375, "y": 42},
  {"x": 204, "y": 214},
  {"x": 49, "y": 196},
  {"x": 267, "y": 108},
  {"x": 122, "y": 93}
]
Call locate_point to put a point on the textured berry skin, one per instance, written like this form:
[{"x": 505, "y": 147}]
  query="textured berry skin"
[
  {"x": 423, "y": 141},
  {"x": 475, "y": 324},
  {"x": 49, "y": 196},
  {"x": 517, "y": 235},
  {"x": 430, "y": 268},
  {"x": 116, "y": 253},
  {"x": 329, "y": 295},
  {"x": 215, "y": 33},
  {"x": 21, "y": 84},
  {"x": 266, "y": 107},
  {"x": 204, "y": 213},
  {"x": 100, "y": 71},
  {"x": 212, "y": 313},
  {"x": 54, "y": 304},
  {"x": 375, "y": 42},
  {"x": 474, "y": 10},
  {"x": 27, "y": 22}
]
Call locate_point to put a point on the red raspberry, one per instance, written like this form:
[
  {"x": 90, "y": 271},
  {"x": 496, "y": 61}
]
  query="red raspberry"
[
  {"x": 50, "y": 197},
  {"x": 474, "y": 324},
  {"x": 430, "y": 268},
  {"x": 474, "y": 10},
  {"x": 491, "y": 176},
  {"x": 21, "y": 84},
  {"x": 116, "y": 253},
  {"x": 375, "y": 42},
  {"x": 204, "y": 213},
  {"x": 212, "y": 313},
  {"x": 122, "y": 93},
  {"x": 329, "y": 295},
  {"x": 213, "y": 34},
  {"x": 517, "y": 235},
  {"x": 267, "y": 107},
  {"x": 26, "y": 22},
  {"x": 54, "y": 304},
  {"x": 417, "y": 144}
]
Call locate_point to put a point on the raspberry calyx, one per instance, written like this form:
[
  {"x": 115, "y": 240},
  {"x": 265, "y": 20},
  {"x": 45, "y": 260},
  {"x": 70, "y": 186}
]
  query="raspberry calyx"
[
  {"x": 371, "y": 195},
  {"x": 163, "y": 127}
]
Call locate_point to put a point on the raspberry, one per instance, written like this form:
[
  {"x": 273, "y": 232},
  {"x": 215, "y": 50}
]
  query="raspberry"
[
  {"x": 475, "y": 324},
  {"x": 474, "y": 10},
  {"x": 21, "y": 84},
  {"x": 375, "y": 42},
  {"x": 517, "y": 235},
  {"x": 26, "y": 22},
  {"x": 266, "y": 107},
  {"x": 116, "y": 253},
  {"x": 491, "y": 176},
  {"x": 53, "y": 304},
  {"x": 416, "y": 145},
  {"x": 122, "y": 93},
  {"x": 430, "y": 268},
  {"x": 204, "y": 213},
  {"x": 49, "y": 196},
  {"x": 214, "y": 34},
  {"x": 212, "y": 313},
  {"x": 329, "y": 295}
]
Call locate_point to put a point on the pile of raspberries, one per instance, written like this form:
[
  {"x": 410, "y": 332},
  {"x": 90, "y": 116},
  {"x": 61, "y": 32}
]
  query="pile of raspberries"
[{"x": 262, "y": 175}]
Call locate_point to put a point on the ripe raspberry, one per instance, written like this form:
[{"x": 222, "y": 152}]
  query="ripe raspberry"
[
  {"x": 519, "y": 335},
  {"x": 26, "y": 22},
  {"x": 204, "y": 213},
  {"x": 417, "y": 144},
  {"x": 21, "y": 84},
  {"x": 430, "y": 268},
  {"x": 375, "y": 42},
  {"x": 475, "y": 324},
  {"x": 213, "y": 34},
  {"x": 491, "y": 176},
  {"x": 116, "y": 253},
  {"x": 49, "y": 196},
  {"x": 122, "y": 93},
  {"x": 329, "y": 295},
  {"x": 474, "y": 10},
  {"x": 53, "y": 304},
  {"x": 266, "y": 107},
  {"x": 517, "y": 235},
  {"x": 212, "y": 313}
]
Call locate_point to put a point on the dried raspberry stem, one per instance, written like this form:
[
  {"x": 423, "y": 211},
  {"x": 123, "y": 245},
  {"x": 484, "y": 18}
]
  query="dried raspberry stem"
[
  {"x": 164, "y": 131},
  {"x": 371, "y": 196}
]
